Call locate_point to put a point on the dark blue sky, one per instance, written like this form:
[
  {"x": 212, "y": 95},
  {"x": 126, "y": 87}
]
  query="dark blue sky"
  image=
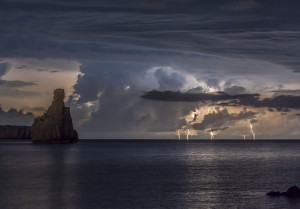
[{"x": 107, "y": 54}]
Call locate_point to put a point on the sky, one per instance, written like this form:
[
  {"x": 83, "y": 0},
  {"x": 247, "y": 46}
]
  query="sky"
[{"x": 155, "y": 69}]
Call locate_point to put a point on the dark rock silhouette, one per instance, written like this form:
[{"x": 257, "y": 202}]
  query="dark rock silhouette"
[
  {"x": 55, "y": 126},
  {"x": 15, "y": 132},
  {"x": 293, "y": 192},
  {"x": 274, "y": 194}
]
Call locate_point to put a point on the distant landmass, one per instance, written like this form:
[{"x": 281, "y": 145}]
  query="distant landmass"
[
  {"x": 15, "y": 132},
  {"x": 55, "y": 126}
]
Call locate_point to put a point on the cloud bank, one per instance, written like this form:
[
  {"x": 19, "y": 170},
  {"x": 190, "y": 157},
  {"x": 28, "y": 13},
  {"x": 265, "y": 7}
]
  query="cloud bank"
[
  {"x": 15, "y": 117},
  {"x": 107, "y": 54},
  {"x": 251, "y": 100}
]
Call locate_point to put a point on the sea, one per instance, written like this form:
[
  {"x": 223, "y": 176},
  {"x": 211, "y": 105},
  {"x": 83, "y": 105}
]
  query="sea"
[{"x": 148, "y": 174}]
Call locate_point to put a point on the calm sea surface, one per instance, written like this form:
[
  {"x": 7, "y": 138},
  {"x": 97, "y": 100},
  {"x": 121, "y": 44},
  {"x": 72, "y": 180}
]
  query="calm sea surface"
[{"x": 149, "y": 174}]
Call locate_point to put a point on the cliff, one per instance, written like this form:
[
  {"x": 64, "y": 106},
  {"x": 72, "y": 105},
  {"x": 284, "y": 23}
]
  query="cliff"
[
  {"x": 15, "y": 132},
  {"x": 55, "y": 126}
]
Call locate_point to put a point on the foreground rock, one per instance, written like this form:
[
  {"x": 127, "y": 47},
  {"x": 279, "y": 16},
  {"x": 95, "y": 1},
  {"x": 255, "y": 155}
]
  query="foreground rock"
[
  {"x": 55, "y": 126},
  {"x": 15, "y": 132},
  {"x": 293, "y": 192}
]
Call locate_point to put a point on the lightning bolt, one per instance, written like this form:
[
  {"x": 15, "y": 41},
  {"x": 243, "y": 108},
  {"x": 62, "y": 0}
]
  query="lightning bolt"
[
  {"x": 187, "y": 135},
  {"x": 244, "y": 132},
  {"x": 211, "y": 135},
  {"x": 251, "y": 129},
  {"x": 208, "y": 111}
]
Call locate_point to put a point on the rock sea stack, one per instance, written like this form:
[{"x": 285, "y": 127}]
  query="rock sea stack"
[
  {"x": 292, "y": 192},
  {"x": 55, "y": 126}
]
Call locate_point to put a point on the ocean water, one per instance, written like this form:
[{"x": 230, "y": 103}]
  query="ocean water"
[{"x": 148, "y": 174}]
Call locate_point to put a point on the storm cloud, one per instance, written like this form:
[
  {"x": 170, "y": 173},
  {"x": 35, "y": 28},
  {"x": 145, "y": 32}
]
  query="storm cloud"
[
  {"x": 16, "y": 83},
  {"x": 221, "y": 119},
  {"x": 108, "y": 53},
  {"x": 253, "y": 100},
  {"x": 243, "y": 28},
  {"x": 193, "y": 97}
]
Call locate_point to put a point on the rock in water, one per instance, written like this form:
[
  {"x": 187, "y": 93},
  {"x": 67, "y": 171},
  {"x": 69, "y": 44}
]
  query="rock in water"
[
  {"x": 55, "y": 126},
  {"x": 292, "y": 192},
  {"x": 274, "y": 194}
]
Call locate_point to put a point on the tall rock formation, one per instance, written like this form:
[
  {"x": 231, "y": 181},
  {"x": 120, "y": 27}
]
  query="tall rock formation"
[{"x": 55, "y": 126}]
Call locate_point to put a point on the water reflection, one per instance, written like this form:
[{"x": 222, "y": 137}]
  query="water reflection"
[
  {"x": 147, "y": 175},
  {"x": 36, "y": 174},
  {"x": 60, "y": 177}
]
